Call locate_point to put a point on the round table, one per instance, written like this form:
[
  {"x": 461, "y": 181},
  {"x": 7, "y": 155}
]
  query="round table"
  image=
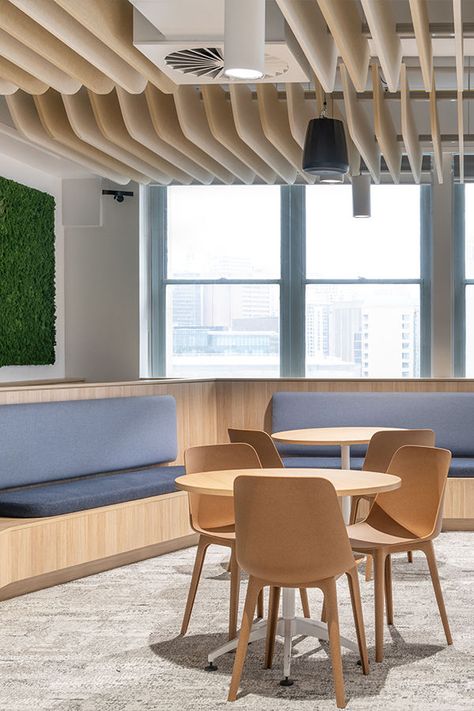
[
  {"x": 346, "y": 482},
  {"x": 343, "y": 437}
]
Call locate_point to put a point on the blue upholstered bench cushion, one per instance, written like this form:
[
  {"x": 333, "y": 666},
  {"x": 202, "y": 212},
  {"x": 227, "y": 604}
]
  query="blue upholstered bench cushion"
[
  {"x": 43, "y": 442},
  {"x": 87, "y": 492},
  {"x": 449, "y": 415}
]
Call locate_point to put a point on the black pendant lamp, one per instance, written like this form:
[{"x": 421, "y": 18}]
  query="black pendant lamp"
[{"x": 325, "y": 149}]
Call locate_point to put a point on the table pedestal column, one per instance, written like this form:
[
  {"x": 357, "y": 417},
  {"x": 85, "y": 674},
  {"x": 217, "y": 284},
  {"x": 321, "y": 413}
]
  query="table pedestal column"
[{"x": 346, "y": 464}]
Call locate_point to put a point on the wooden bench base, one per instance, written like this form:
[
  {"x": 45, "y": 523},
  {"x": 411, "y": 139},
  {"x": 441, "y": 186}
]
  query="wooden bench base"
[{"x": 38, "y": 553}]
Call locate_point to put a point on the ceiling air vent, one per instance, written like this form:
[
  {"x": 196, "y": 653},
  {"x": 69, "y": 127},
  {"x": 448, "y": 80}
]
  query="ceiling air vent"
[
  {"x": 185, "y": 39},
  {"x": 209, "y": 62}
]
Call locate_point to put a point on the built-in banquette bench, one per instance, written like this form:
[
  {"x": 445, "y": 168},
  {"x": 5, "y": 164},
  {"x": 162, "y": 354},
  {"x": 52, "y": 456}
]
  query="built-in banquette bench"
[
  {"x": 450, "y": 415},
  {"x": 83, "y": 488}
]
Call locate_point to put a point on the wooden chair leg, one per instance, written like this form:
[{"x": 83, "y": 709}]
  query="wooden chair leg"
[
  {"x": 273, "y": 609},
  {"x": 260, "y": 610},
  {"x": 234, "y": 595},
  {"x": 388, "y": 590},
  {"x": 253, "y": 590},
  {"x": 369, "y": 568},
  {"x": 379, "y": 594},
  {"x": 354, "y": 509},
  {"x": 428, "y": 550},
  {"x": 324, "y": 616},
  {"x": 330, "y": 597},
  {"x": 410, "y": 556},
  {"x": 305, "y": 602},
  {"x": 353, "y": 579},
  {"x": 203, "y": 545}
]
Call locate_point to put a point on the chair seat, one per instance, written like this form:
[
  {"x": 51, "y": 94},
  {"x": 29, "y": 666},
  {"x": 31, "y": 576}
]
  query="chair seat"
[
  {"x": 363, "y": 536},
  {"x": 226, "y": 533},
  {"x": 88, "y": 492}
]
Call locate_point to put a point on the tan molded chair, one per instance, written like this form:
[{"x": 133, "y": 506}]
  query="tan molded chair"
[
  {"x": 290, "y": 533},
  {"x": 263, "y": 445},
  {"x": 269, "y": 459},
  {"x": 213, "y": 518},
  {"x": 406, "y": 519},
  {"x": 380, "y": 451}
]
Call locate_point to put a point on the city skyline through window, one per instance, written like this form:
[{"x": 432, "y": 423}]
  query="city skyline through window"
[
  {"x": 225, "y": 284},
  {"x": 356, "y": 329}
]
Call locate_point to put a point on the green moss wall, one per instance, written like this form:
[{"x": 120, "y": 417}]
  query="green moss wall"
[{"x": 27, "y": 290}]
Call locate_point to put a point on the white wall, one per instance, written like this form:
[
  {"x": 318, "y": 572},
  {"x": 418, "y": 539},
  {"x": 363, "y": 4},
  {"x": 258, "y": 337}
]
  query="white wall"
[
  {"x": 27, "y": 175},
  {"x": 102, "y": 293}
]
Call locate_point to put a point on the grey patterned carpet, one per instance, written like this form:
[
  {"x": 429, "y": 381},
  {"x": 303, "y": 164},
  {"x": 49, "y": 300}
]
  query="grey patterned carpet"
[{"x": 110, "y": 642}]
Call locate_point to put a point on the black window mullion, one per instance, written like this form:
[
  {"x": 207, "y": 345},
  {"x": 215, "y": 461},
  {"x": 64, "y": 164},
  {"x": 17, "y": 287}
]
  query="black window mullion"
[
  {"x": 460, "y": 280},
  {"x": 159, "y": 228},
  {"x": 293, "y": 272}
]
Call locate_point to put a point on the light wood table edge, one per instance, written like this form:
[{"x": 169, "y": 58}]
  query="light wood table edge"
[{"x": 214, "y": 487}]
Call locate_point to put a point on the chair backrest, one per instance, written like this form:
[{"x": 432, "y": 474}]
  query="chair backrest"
[
  {"x": 384, "y": 444},
  {"x": 208, "y": 512},
  {"x": 290, "y": 530},
  {"x": 262, "y": 443},
  {"x": 417, "y": 505}
]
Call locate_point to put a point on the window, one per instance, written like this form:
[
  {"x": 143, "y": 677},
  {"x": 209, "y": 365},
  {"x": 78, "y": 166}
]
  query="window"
[
  {"x": 222, "y": 281},
  {"x": 263, "y": 281},
  {"x": 363, "y": 279}
]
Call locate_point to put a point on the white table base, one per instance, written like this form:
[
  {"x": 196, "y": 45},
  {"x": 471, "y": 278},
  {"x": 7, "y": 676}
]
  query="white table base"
[
  {"x": 288, "y": 626},
  {"x": 346, "y": 464}
]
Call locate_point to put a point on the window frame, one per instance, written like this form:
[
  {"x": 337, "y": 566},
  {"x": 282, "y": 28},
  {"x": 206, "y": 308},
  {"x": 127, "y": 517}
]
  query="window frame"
[
  {"x": 460, "y": 281},
  {"x": 292, "y": 282}
]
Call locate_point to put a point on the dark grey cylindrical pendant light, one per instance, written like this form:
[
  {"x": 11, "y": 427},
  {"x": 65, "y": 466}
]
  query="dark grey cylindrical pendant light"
[{"x": 325, "y": 149}]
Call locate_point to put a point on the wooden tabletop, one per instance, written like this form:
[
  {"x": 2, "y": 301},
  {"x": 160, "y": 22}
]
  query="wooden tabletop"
[
  {"x": 347, "y": 482},
  {"x": 330, "y": 435}
]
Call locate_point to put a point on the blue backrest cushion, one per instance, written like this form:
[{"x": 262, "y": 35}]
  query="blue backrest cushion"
[
  {"x": 59, "y": 440},
  {"x": 449, "y": 415}
]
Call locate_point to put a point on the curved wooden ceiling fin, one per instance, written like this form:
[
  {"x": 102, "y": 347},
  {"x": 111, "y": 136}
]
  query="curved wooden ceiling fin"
[
  {"x": 249, "y": 127},
  {"x": 30, "y": 62},
  {"x": 409, "y": 129},
  {"x": 23, "y": 80},
  {"x": 109, "y": 119},
  {"x": 359, "y": 127},
  {"x": 309, "y": 27},
  {"x": 7, "y": 87},
  {"x": 53, "y": 116},
  {"x": 384, "y": 129},
  {"x": 222, "y": 126},
  {"x": 194, "y": 125},
  {"x": 344, "y": 22},
  {"x": 83, "y": 123},
  {"x": 140, "y": 127},
  {"x": 386, "y": 40},
  {"x": 435, "y": 133},
  {"x": 165, "y": 122},
  {"x": 421, "y": 26},
  {"x": 300, "y": 111},
  {"x": 27, "y": 122},
  {"x": 459, "y": 49},
  {"x": 112, "y": 23},
  {"x": 276, "y": 127},
  {"x": 138, "y": 119},
  {"x": 60, "y": 24},
  {"x": 29, "y": 33}
]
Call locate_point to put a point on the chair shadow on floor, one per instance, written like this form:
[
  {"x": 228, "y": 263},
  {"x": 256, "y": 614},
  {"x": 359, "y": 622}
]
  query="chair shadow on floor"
[{"x": 311, "y": 667}]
